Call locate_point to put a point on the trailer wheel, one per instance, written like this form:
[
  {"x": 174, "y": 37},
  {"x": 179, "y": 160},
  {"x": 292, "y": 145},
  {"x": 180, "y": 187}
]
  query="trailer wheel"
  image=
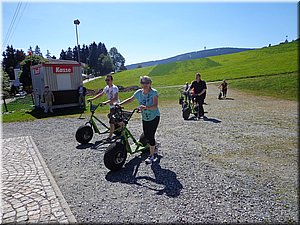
[
  {"x": 115, "y": 156},
  {"x": 186, "y": 113},
  {"x": 84, "y": 134}
]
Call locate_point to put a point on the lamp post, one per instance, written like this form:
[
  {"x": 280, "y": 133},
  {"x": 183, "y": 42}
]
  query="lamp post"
[{"x": 77, "y": 22}]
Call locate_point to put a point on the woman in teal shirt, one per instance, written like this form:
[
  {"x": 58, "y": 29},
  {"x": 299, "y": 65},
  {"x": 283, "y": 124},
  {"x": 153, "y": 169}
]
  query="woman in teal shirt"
[{"x": 148, "y": 100}]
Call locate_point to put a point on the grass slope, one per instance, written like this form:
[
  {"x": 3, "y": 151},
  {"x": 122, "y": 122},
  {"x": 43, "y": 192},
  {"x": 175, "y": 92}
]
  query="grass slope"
[
  {"x": 271, "y": 71},
  {"x": 276, "y": 60}
]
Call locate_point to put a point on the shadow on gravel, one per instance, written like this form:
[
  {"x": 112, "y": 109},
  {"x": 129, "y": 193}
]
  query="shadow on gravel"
[
  {"x": 205, "y": 118},
  {"x": 165, "y": 177},
  {"x": 211, "y": 120},
  {"x": 128, "y": 173},
  {"x": 226, "y": 99},
  {"x": 39, "y": 113},
  {"x": 98, "y": 145},
  {"x": 84, "y": 146}
]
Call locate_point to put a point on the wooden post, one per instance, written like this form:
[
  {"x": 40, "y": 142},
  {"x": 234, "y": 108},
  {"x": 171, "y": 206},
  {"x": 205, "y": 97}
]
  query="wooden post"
[{"x": 3, "y": 97}]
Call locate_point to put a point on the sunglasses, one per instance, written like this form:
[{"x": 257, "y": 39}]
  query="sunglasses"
[
  {"x": 107, "y": 80},
  {"x": 145, "y": 82}
]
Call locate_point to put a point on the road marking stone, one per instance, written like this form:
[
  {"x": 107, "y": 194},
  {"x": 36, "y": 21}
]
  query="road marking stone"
[{"x": 29, "y": 191}]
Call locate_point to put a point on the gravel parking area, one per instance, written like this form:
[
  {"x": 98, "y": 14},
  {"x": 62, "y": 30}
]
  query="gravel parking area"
[{"x": 239, "y": 164}]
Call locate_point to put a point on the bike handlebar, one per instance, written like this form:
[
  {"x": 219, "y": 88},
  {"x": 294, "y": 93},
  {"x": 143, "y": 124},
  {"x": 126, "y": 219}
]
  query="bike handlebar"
[{"x": 94, "y": 107}]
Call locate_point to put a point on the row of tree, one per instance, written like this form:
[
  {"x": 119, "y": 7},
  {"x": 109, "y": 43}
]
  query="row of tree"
[{"x": 95, "y": 57}]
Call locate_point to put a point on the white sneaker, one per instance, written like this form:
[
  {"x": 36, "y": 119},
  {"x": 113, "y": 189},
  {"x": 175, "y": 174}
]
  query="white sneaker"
[{"x": 150, "y": 159}]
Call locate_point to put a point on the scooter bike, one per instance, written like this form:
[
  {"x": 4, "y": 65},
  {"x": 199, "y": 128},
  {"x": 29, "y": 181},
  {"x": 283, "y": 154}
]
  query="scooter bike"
[
  {"x": 188, "y": 105},
  {"x": 85, "y": 132},
  {"x": 116, "y": 153}
]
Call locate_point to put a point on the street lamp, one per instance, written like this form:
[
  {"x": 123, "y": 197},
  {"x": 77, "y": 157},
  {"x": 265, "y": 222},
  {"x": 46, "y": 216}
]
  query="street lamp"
[{"x": 77, "y": 22}]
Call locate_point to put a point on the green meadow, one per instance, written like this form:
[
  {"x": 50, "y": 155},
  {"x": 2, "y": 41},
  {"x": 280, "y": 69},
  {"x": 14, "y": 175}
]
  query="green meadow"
[{"x": 270, "y": 71}]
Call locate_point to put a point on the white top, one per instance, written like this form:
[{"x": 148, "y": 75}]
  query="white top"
[{"x": 110, "y": 92}]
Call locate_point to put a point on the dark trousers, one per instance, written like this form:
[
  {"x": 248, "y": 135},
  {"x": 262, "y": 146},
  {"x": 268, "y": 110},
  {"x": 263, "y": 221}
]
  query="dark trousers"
[
  {"x": 200, "y": 101},
  {"x": 224, "y": 92},
  {"x": 149, "y": 128}
]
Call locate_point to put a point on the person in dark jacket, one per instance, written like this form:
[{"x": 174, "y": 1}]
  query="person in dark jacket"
[
  {"x": 199, "y": 87},
  {"x": 223, "y": 87},
  {"x": 82, "y": 94}
]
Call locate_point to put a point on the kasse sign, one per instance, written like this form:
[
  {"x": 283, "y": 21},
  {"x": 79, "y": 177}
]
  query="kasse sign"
[{"x": 62, "y": 69}]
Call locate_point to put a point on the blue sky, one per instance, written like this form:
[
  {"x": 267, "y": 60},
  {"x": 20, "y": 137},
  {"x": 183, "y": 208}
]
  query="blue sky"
[{"x": 148, "y": 31}]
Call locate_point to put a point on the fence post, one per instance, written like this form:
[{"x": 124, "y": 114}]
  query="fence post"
[{"x": 3, "y": 97}]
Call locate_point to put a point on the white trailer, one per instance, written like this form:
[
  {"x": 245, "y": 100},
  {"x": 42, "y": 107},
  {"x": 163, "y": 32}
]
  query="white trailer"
[{"x": 63, "y": 78}]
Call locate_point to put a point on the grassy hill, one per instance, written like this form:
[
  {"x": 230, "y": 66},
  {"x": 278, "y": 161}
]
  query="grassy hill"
[
  {"x": 262, "y": 64},
  {"x": 271, "y": 71},
  {"x": 189, "y": 56}
]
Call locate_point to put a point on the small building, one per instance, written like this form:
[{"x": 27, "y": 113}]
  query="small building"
[{"x": 63, "y": 78}]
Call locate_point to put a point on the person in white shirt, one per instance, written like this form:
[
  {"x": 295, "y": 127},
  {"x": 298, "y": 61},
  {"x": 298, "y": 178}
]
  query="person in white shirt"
[{"x": 112, "y": 93}]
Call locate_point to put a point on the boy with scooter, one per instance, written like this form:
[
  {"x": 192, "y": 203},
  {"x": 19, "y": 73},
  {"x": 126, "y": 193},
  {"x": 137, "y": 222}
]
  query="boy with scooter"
[{"x": 112, "y": 93}]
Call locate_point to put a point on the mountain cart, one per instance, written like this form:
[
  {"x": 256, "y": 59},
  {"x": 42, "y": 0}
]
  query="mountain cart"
[
  {"x": 85, "y": 132},
  {"x": 116, "y": 153},
  {"x": 188, "y": 104}
]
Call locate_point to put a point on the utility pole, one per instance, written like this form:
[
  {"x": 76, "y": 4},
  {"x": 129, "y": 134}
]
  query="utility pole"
[{"x": 77, "y": 22}]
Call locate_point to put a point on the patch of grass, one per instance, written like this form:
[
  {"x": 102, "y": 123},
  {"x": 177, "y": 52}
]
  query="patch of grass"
[
  {"x": 261, "y": 62},
  {"x": 271, "y": 71},
  {"x": 17, "y": 110},
  {"x": 284, "y": 86},
  {"x": 22, "y": 110}
]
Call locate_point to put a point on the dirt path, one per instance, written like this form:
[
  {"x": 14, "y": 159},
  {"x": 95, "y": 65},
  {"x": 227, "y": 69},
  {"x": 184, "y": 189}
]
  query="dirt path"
[{"x": 240, "y": 164}]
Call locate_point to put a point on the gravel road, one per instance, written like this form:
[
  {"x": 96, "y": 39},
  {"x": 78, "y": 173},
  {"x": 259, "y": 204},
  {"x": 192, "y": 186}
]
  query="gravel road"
[{"x": 239, "y": 164}]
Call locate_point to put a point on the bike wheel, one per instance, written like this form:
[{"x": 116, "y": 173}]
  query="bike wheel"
[
  {"x": 186, "y": 113},
  {"x": 115, "y": 156},
  {"x": 84, "y": 134}
]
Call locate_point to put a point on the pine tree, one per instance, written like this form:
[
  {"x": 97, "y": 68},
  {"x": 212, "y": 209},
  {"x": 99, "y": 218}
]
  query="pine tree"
[
  {"x": 84, "y": 53},
  {"x": 20, "y": 56},
  {"x": 63, "y": 55},
  {"x": 75, "y": 54},
  {"x": 93, "y": 57},
  {"x": 9, "y": 61},
  {"x": 69, "y": 54},
  {"x": 37, "y": 51},
  {"x": 48, "y": 55}
]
